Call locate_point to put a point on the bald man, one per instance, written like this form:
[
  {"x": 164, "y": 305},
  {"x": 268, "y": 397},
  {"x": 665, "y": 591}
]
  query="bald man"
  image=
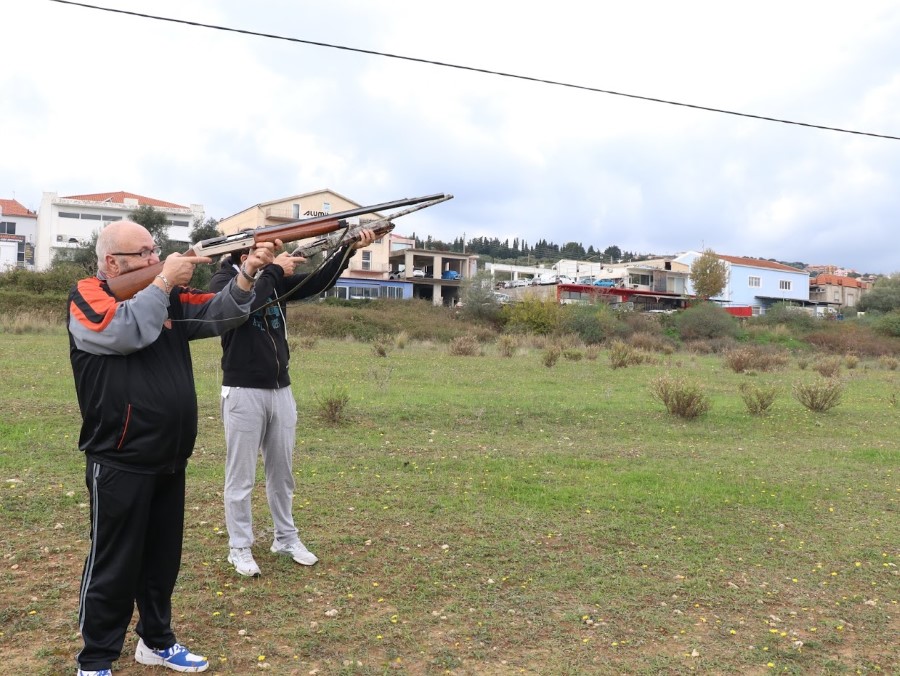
[{"x": 134, "y": 380}]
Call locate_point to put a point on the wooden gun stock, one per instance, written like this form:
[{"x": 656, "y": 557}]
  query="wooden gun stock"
[{"x": 125, "y": 286}]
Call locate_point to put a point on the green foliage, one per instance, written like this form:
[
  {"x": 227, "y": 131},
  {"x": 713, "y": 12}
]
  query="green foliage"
[
  {"x": 551, "y": 355},
  {"x": 157, "y": 224},
  {"x": 82, "y": 258},
  {"x": 709, "y": 274},
  {"x": 478, "y": 300},
  {"x": 706, "y": 320},
  {"x": 888, "y": 324},
  {"x": 787, "y": 315},
  {"x": 884, "y": 296},
  {"x": 593, "y": 324},
  {"x": 532, "y": 315}
]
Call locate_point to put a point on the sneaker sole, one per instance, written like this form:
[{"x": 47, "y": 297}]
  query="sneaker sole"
[
  {"x": 239, "y": 572},
  {"x": 154, "y": 661},
  {"x": 288, "y": 555}
]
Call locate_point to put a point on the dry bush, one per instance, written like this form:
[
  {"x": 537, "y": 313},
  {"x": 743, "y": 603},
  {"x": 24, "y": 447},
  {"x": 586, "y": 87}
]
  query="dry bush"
[
  {"x": 711, "y": 345},
  {"x": 820, "y": 395},
  {"x": 755, "y": 358},
  {"x": 507, "y": 345},
  {"x": 802, "y": 362},
  {"x": 465, "y": 346},
  {"x": 332, "y": 405},
  {"x": 381, "y": 346},
  {"x": 680, "y": 397},
  {"x": 850, "y": 337},
  {"x": 758, "y": 398},
  {"x": 573, "y": 354},
  {"x": 621, "y": 354},
  {"x": 297, "y": 343},
  {"x": 651, "y": 342},
  {"x": 551, "y": 356},
  {"x": 828, "y": 367},
  {"x": 889, "y": 363},
  {"x": 401, "y": 340},
  {"x": 591, "y": 352},
  {"x": 851, "y": 361}
]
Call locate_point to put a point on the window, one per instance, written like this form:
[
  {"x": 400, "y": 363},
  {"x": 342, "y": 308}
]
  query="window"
[
  {"x": 643, "y": 280},
  {"x": 181, "y": 223},
  {"x": 784, "y": 285},
  {"x": 326, "y": 207},
  {"x": 754, "y": 282},
  {"x": 7, "y": 228},
  {"x": 68, "y": 214},
  {"x": 392, "y": 292},
  {"x": 90, "y": 217},
  {"x": 295, "y": 211},
  {"x": 837, "y": 295},
  {"x": 366, "y": 260}
]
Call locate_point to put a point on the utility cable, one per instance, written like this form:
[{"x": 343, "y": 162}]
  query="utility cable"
[{"x": 473, "y": 69}]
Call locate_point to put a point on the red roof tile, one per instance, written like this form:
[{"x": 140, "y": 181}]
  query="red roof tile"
[
  {"x": 13, "y": 208},
  {"x": 838, "y": 280},
  {"x": 119, "y": 198},
  {"x": 758, "y": 263}
]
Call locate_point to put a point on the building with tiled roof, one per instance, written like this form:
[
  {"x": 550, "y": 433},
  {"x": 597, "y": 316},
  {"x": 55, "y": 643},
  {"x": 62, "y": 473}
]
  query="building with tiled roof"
[
  {"x": 18, "y": 233},
  {"x": 757, "y": 282},
  {"x": 836, "y": 290},
  {"x": 65, "y": 222}
]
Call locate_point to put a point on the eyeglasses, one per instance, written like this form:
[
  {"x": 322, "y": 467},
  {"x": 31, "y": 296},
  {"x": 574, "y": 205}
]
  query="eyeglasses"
[{"x": 143, "y": 253}]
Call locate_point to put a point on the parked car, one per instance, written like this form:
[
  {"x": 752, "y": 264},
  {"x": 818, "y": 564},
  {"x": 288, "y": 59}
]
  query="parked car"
[
  {"x": 519, "y": 282},
  {"x": 608, "y": 283},
  {"x": 450, "y": 274},
  {"x": 418, "y": 272},
  {"x": 501, "y": 298},
  {"x": 563, "y": 279}
]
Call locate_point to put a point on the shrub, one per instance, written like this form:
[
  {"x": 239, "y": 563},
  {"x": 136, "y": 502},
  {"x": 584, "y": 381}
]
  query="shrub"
[
  {"x": 828, "y": 367},
  {"x": 593, "y": 324},
  {"x": 551, "y": 356},
  {"x": 621, "y": 354},
  {"x": 890, "y": 363},
  {"x": 332, "y": 405},
  {"x": 573, "y": 354},
  {"x": 507, "y": 345},
  {"x": 381, "y": 346},
  {"x": 820, "y": 395},
  {"x": 532, "y": 315},
  {"x": 706, "y": 320},
  {"x": 465, "y": 346},
  {"x": 758, "y": 398},
  {"x": 401, "y": 340},
  {"x": 851, "y": 361},
  {"x": 652, "y": 342},
  {"x": 787, "y": 315},
  {"x": 591, "y": 352},
  {"x": 681, "y": 398},
  {"x": 754, "y": 358},
  {"x": 888, "y": 324}
]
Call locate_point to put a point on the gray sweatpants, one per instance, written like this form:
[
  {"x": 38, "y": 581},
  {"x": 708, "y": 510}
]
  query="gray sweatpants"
[{"x": 259, "y": 420}]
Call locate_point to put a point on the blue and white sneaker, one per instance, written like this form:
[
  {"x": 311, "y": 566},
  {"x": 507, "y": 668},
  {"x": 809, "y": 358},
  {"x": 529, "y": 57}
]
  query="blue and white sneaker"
[
  {"x": 176, "y": 658},
  {"x": 101, "y": 672}
]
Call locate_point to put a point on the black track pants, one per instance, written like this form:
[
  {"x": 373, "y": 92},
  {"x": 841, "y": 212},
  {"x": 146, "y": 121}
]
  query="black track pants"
[{"x": 137, "y": 522}]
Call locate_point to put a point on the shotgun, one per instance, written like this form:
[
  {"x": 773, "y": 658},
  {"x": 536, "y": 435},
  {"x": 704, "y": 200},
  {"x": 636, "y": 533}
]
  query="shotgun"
[{"x": 126, "y": 285}]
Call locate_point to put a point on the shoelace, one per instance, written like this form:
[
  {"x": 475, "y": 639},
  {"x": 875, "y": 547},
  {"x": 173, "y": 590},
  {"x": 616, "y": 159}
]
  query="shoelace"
[{"x": 245, "y": 556}]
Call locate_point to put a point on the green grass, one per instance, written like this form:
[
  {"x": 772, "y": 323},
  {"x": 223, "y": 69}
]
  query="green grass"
[{"x": 493, "y": 515}]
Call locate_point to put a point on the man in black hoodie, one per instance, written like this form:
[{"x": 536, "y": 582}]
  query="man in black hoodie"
[{"x": 258, "y": 407}]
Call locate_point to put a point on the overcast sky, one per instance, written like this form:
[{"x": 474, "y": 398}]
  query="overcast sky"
[{"x": 94, "y": 101}]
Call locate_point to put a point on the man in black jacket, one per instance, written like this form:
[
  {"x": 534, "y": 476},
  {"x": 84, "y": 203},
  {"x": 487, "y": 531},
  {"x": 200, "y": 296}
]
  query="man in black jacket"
[
  {"x": 135, "y": 386},
  {"x": 258, "y": 407}
]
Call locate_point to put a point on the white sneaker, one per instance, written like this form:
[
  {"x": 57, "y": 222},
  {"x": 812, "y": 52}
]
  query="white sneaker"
[
  {"x": 242, "y": 560},
  {"x": 296, "y": 551}
]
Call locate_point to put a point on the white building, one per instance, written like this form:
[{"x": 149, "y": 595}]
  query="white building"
[
  {"x": 65, "y": 222},
  {"x": 18, "y": 234}
]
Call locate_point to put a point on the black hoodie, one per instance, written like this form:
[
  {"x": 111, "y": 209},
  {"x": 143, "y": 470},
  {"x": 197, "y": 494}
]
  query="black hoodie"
[{"x": 256, "y": 353}]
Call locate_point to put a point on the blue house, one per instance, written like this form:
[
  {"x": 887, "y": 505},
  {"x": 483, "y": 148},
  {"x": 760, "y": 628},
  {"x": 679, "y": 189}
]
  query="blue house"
[{"x": 757, "y": 283}]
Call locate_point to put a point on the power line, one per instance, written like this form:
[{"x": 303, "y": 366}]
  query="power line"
[{"x": 473, "y": 69}]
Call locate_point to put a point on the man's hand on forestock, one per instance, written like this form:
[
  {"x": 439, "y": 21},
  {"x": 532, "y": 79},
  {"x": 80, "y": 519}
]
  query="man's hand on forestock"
[{"x": 366, "y": 237}]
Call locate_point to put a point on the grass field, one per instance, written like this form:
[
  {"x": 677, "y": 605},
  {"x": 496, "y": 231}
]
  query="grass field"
[{"x": 492, "y": 515}]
